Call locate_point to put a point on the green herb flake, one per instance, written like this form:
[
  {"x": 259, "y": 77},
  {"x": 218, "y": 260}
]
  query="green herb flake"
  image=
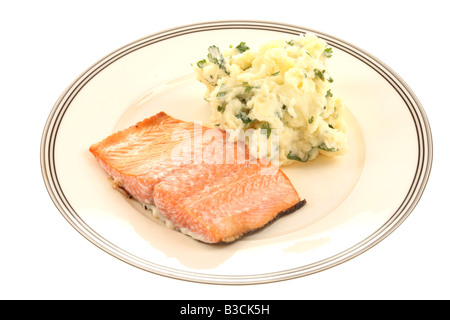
[
  {"x": 216, "y": 57},
  {"x": 248, "y": 87},
  {"x": 242, "y": 47},
  {"x": 290, "y": 42},
  {"x": 292, "y": 156},
  {"x": 221, "y": 94},
  {"x": 244, "y": 117},
  {"x": 324, "y": 147},
  {"x": 201, "y": 63},
  {"x": 268, "y": 129},
  {"x": 221, "y": 108},
  {"x": 328, "y": 52},
  {"x": 330, "y": 80},
  {"x": 329, "y": 94},
  {"x": 319, "y": 74},
  {"x": 311, "y": 120},
  {"x": 275, "y": 73}
]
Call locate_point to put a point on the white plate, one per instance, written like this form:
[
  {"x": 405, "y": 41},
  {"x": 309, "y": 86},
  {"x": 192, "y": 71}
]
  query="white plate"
[{"x": 353, "y": 201}]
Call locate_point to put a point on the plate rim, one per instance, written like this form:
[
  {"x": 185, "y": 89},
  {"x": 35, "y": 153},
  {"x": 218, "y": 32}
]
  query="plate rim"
[{"x": 418, "y": 185}]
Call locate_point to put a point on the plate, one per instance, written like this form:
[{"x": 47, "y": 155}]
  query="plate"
[{"x": 353, "y": 201}]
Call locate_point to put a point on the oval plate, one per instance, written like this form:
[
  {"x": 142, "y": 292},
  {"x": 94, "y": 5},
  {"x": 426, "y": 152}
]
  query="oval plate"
[{"x": 354, "y": 201}]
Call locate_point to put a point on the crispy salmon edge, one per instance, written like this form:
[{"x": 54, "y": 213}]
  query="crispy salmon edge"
[{"x": 295, "y": 207}]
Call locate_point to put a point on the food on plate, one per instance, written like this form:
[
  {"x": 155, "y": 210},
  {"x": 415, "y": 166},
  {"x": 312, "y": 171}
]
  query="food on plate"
[
  {"x": 195, "y": 179},
  {"x": 282, "y": 90}
]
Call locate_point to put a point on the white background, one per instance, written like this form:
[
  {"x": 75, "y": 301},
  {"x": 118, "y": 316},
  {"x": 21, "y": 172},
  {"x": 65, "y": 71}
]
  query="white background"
[{"x": 47, "y": 44}]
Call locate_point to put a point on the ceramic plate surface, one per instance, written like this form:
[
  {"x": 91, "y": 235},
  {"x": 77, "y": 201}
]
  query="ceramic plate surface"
[{"x": 353, "y": 201}]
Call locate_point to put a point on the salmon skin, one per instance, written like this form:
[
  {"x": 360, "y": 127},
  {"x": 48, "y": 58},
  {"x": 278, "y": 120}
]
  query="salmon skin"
[{"x": 199, "y": 182}]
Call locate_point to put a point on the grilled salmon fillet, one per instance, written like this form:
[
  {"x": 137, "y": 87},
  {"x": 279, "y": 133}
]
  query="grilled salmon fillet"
[{"x": 205, "y": 186}]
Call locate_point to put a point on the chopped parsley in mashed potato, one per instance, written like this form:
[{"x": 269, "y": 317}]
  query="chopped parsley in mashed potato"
[{"x": 282, "y": 87}]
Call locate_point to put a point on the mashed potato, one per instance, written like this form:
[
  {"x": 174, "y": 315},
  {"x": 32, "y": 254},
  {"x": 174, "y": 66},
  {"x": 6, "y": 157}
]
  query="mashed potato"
[{"x": 280, "y": 93}]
